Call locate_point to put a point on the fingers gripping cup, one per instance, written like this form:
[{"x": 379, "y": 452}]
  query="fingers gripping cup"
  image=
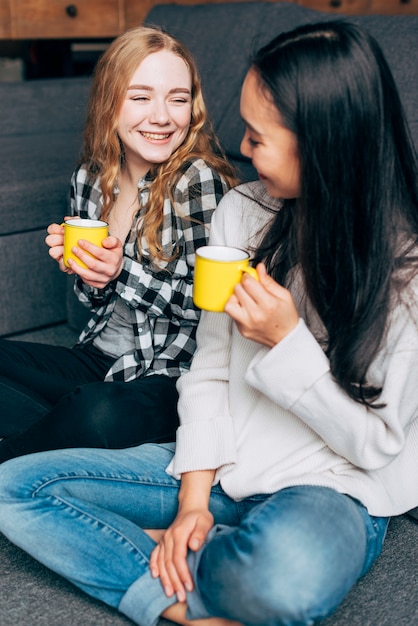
[
  {"x": 217, "y": 270},
  {"x": 90, "y": 230}
]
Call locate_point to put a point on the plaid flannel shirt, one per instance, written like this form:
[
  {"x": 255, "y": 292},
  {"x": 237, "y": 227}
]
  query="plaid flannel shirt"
[{"x": 165, "y": 316}]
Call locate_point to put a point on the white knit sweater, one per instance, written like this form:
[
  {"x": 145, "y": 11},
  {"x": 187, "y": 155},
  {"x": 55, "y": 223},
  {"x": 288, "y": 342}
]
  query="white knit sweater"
[{"x": 266, "y": 419}]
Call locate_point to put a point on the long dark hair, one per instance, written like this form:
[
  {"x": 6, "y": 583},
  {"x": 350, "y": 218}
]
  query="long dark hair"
[{"x": 356, "y": 220}]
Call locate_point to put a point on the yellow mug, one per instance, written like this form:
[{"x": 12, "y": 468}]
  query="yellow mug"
[
  {"x": 217, "y": 270},
  {"x": 90, "y": 230}
]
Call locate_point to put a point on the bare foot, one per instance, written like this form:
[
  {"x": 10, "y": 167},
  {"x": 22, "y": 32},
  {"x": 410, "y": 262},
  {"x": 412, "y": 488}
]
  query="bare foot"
[{"x": 177, "y": 613}]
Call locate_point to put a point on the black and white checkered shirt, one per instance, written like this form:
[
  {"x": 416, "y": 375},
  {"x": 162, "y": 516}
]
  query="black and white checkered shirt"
[{"x": 161, "y": 298}]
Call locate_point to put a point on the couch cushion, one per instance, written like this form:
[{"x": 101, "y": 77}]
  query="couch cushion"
[
  {"x": 41, "y": 131},
  {"x": 398, "y": 38},
  {"x": 40, "y": 136},
  {"x": 32, "y": 287}
]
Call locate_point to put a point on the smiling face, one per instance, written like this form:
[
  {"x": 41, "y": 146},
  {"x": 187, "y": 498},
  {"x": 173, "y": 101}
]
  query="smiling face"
[
  {"x": 155, "y": 116},
  {"x": 271, "y": 147}
]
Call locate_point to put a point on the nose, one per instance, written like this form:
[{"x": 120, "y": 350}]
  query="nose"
[
  {"x": 245, "y": 146},
  {"x": 159, "y": 114}
]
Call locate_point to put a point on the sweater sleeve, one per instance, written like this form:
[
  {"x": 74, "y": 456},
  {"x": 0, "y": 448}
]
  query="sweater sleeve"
[{"x": 295, "y": 374}]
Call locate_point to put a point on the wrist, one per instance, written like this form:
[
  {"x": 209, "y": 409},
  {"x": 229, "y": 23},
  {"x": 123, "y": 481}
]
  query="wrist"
[{"x": 195, "y": 489}]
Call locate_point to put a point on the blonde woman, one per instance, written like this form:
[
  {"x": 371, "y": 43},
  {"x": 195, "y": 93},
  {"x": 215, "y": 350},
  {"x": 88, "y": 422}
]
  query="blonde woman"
[{"x": 153, "y": 169}]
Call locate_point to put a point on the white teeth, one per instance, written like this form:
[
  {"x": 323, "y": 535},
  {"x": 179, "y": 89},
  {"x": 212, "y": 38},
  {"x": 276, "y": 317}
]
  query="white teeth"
[{"x": 155, "y": 135}]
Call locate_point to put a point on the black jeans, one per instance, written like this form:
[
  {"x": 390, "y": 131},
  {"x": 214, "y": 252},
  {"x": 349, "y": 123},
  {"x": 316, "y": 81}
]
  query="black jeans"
[{"x": 55, "y": 397}]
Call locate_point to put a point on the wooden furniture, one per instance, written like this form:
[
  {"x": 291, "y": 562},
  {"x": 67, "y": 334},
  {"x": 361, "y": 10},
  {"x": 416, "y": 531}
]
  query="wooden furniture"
[
  {"x": 56, "y": 19},
  {"x": 364, "y": 7},
  {"x": 94, "y": 19}
]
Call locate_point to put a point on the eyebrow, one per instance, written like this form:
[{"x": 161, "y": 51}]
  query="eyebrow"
[
  {"x": 148, "y": 88},
  {"x": 248, "y": 125}
]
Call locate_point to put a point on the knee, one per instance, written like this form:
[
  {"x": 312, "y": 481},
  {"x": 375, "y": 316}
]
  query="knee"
[
  {"x": 19, "y": 478},
  {"x": 118, "y": 415},
  {"x": 92, "y": 410},
  {"x": 9, "y": 479},
  {"x": 273, "y": 578},
  {"x": 268, "y": 581},
  {"x": 26, "y": 486},
  {"x": 33, "y": 476},
  {"x": 11, "y": 494}
]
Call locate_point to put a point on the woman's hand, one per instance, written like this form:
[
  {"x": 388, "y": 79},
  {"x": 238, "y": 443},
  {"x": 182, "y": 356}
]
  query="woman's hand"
[
  {"x": 168, "y": 559},
  {"x": 187, "y": 532},
  {"x": 104, "y": 266},
  {"x": 263, "y": 311},
  {"x": 55, "y": 241}
]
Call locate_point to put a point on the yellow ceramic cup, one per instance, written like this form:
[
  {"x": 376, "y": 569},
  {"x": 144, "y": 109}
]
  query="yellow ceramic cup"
[
  {"x": 217, "y": 270},
  {"x": 90, "y": 230}
]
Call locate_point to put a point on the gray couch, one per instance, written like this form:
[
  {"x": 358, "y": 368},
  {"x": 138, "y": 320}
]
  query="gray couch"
[{"x": 40, "y": 134}]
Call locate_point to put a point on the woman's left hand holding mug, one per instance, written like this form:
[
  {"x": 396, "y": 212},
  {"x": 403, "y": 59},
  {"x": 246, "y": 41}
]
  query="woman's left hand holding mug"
[
  {"x": 104, "y": 263},
  {"x": 263, "y": 310}
]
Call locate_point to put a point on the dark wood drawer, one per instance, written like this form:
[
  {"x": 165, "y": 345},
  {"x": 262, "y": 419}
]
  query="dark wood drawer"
[{"x": 69, "y": 19}]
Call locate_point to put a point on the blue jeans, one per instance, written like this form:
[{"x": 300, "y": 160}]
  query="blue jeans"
[{"x": 286, "y": 558}]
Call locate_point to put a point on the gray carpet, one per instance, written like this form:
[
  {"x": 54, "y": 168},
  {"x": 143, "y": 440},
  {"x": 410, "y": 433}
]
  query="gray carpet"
[{"x": 30, "y": 595}]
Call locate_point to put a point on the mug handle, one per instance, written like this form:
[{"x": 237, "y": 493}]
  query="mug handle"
[{"x": 252, "y": 271}]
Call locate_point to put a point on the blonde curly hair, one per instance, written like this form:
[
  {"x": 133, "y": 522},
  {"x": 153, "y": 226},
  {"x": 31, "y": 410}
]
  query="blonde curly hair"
[{"x": 103, "y": 152}]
